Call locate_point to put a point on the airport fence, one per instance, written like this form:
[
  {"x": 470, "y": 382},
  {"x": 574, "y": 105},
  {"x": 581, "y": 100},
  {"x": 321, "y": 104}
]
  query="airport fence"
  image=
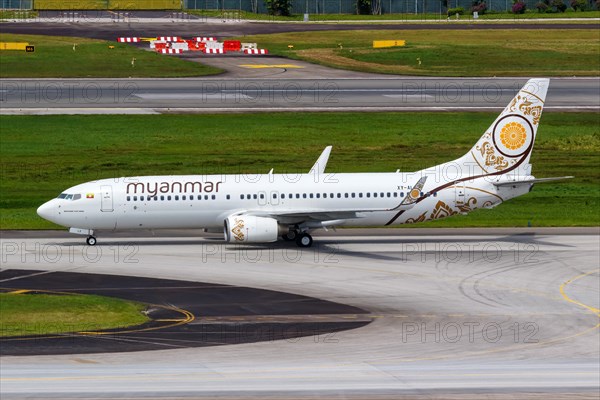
[
  {"x": 349, "y": 6},
  {"x": 91, "y": 4},
  {"x": 317, "y": 7}
]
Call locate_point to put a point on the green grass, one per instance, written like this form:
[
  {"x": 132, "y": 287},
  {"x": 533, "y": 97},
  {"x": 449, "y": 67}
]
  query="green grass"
[
  {"x": 54, "y": 57},
  {"x": 43, "y": 155},
  {"x": 107, "y": 4},
  {"x": 490, "y": 52},
  {"x": 17, "y": 14},
  {"x": 46, "y": 314}
]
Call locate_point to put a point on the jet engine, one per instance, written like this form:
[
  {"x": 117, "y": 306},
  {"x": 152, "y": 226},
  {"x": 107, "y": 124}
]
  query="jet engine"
[{"x": 251, "y": 229}]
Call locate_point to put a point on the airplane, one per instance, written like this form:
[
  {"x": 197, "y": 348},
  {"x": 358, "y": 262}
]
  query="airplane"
[{"x": 263, "y": 208}]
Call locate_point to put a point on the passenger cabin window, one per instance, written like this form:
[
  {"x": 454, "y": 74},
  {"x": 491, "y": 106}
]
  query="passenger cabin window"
[
  {"x": 228, "y": 197},
  {"x": 214, "y": 197},
  {"x": 128, "y": 198}
]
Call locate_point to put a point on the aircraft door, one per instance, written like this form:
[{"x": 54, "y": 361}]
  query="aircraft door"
[
  {"x": 460, "y": 194},
  {"x": 106, "y": 194}
]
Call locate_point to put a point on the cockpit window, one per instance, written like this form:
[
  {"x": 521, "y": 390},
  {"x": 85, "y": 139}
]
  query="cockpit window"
[{"x": 68, "y": 196}]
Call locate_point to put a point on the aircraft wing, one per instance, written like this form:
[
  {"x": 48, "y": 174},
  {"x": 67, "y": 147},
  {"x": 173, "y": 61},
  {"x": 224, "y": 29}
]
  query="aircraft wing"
[{"x": 529, "y": 181}]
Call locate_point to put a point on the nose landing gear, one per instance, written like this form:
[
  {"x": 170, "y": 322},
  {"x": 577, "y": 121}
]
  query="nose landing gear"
[{"x": 91, "y": 240}]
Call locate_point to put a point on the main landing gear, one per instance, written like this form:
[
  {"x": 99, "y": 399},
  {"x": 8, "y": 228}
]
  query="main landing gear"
[
  {"x": 302, "y": 239},
  {"x": 91, "y": 240}
]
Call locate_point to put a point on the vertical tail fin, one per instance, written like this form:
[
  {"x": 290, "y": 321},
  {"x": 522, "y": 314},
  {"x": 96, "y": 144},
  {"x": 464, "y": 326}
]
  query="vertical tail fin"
[{"x": 507, "y": 144}]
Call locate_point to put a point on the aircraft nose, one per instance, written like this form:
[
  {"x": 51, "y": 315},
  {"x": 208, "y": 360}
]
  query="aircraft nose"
[{"x": 46, "y": 210}]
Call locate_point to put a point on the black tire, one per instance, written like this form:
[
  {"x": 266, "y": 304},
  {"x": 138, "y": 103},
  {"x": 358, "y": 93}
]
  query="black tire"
[
  {"x": 304, "y": 240},
  {"x": 91, "y": 241},
  {"x": 290, "y": 236}
]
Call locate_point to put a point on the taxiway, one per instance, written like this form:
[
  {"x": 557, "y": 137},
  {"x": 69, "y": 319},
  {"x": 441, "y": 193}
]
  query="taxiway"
[
  {"x": 455, "y": 313},
  {"x": 272, "y": 91}
]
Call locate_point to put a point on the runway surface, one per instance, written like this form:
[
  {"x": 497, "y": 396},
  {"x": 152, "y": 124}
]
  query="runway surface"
[
  {"x": 457, "y": 314},
  {"x": 272, "y": 91}
]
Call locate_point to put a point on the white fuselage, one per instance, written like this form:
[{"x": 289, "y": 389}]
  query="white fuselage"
[{"x": 204, "y": 201}]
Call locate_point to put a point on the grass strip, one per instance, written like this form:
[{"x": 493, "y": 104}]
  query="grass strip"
[
  {"x": 493, "y": 52},
  {"x": 45, "y": 314},
  {"x": 71, "y": 57},
  {"x": 43, "y": 155}
]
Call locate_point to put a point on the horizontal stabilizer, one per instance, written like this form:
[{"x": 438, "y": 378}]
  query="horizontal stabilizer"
[{"x": 530, "y": 181}]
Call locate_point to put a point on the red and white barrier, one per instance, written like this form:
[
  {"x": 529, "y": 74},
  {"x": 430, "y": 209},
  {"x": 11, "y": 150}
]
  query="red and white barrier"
[
  {"x": 214, "y": 51},
  {"x": 204, "y": 39},
  {"x": 170, "y": 38},
  {"x": 171, "y": 51},
  {"x": 129, "y": 40},
  {"x": 158, "y": 44},
  {"x": 256, "y": 51}
]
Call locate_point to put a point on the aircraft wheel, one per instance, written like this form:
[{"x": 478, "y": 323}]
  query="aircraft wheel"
[
  {"x": 290, "y": 236},
  {"x": 91, "y": 241},
  {"x": 304, "y": 240}
]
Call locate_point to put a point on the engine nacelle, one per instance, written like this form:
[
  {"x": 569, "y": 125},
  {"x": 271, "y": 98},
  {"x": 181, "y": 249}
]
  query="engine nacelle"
[{"x": 250, "y": 229}]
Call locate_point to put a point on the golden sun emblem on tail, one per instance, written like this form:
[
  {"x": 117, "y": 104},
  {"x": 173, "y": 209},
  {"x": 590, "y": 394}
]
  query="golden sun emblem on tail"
[{"x": 513, "y": 135}]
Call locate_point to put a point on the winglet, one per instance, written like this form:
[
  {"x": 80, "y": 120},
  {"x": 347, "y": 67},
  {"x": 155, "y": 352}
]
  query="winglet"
[
  {"x": 321, "y": 163},
  {"x": 412, "y": 196}
]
